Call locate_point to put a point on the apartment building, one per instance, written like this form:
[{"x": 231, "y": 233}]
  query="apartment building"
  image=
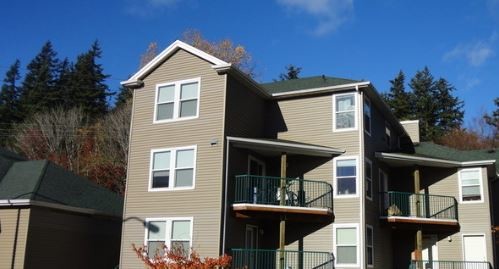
[{"x": 307, "y": 173}]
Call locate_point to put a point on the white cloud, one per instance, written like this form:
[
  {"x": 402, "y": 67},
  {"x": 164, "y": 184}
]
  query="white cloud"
[
  {"x": 475, "y": 53},
  {"x": 329, "y": 13},
  {"x": 148, "y": 7}
]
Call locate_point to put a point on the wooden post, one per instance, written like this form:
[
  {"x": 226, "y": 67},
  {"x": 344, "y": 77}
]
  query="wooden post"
[
  {"x": 418, "y": 253},
  {"x": 282, "y": 202}
]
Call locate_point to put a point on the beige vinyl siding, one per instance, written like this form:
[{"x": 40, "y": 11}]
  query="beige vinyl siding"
[
  {"x": 12, "y": 221},
  {"x": 412, "y": 129},
  {"x": 474, "y": 218},
  {"x": 204, "y": 202},
  {"x": 61, "y": 239}
]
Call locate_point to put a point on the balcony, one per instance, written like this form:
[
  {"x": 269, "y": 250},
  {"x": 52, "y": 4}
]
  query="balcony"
[
  {"x": 260, "y": 196},
  {"x": 271, "y": 259},
  {"x": 412, "y": 208},
  {"x": 448, "y": 265}
]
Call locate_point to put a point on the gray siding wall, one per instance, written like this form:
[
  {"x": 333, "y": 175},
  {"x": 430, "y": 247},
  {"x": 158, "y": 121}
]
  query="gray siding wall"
[
  {"x": 204, "y": 202},
  {"x": 13, "y": 235},
  {"x": 61, "y": 239}
]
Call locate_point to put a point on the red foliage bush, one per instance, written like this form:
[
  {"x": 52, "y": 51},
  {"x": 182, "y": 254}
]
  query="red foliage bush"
[{"x": 175, "y": 259}]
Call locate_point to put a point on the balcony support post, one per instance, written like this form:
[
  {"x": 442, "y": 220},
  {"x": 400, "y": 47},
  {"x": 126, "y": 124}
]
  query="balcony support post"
[
  {"x": 282, "y": 202},
  {"x": 418, "y": 253}
]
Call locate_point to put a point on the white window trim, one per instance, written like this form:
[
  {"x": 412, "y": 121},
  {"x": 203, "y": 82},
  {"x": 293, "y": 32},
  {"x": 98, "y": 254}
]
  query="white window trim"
[
  {"x": 366, "y": 100},
  {"x": 357, "y": 170},
  {"x": 370, "y": 227},
  {"x": 356, "y": 112},
  {"x": 176, "y": 100},
  {"x": 346, "y": 225},
  {"x": 173, "y": 158},
  {"x": 169, "y": 229},
  {"x": 388, "y": 131},
  {"x": 484, "y": 244},
  {"x": 461, "y": 189},
  {"x": 369, "y": 179},
  {"x": 259, "y": 161}
]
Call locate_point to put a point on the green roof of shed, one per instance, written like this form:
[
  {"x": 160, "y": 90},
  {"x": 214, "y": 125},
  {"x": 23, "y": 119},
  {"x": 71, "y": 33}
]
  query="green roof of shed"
[
  {"x": 46, "y": 182},
  {"x": 305, "y": 83},
  {"x": 429, "y": 149}
]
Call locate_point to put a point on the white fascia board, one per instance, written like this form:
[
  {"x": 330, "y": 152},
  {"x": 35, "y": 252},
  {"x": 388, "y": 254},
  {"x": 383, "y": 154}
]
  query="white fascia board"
[
  {"x": 322, "y": 89},
  {"x": 286, "y": 144},
  {"x": 398, "y": 157},
  {"x": 166, "y": 53},
  {"x": 408, "y": 121}
]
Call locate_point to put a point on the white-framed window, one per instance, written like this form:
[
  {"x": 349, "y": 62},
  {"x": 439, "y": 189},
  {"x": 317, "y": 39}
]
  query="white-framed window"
[
  {"x": 346, "y": 171},
  {"x": 346, "y": 245},
  {"x": 368, "y": 174},
  {"x": 172, "y": 233},
  {"x": 173, "y": 168},
  {"x": 388, "y": 136},
  {"x": 177, "y": 100},
  {"x": 470, "y": 185},
  {"x": 344, "y": 112},
  {"x": 369, "y": 245},
  {"x": 367, "y": 116}
]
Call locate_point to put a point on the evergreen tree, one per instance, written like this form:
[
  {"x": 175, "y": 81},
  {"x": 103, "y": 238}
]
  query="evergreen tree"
[
  {"x": 422, "y": 103},
  {"x": 63, "y": 84},
  {"x": 292, "y": 72},
  {"x": 398, "y": 99},
  {"x": 38, "y": 91},
  {"x": 493, "y": 121},
  {"x": 124, "y": 95},
  {"x": 9, "y": 97},
  {"x": 88, "y": 88},
  {"x": 449, "y": 108}
]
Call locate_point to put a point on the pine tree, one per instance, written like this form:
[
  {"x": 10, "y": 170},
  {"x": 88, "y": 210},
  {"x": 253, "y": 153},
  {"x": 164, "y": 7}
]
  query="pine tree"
[
  {"x": 493, "y": 121},
  {"x": 398, "y": 99},
  {"x": 292, "y": 72},
  {"x": 423, "y": 105},
  {"x": 63, "y": 84},
  {"x": 38, "y": 91},
  {"x": 449, "y": 108},
  {"x": 88, "y": 88},
  {"x": 124, "y": 95},
  {"x": 9, "y": 97}
]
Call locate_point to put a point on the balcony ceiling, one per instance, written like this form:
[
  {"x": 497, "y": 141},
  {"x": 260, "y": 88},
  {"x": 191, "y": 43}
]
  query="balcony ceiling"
[{"x": 275, "y": 147}]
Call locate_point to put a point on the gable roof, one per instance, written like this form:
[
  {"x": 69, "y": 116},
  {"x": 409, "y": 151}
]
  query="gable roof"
[
  {"x": 305, "y": 83},
  {"x": 432, "y": 150},
  {"x": 43, "y": 181},
  {"x": 170, "y": 50}
]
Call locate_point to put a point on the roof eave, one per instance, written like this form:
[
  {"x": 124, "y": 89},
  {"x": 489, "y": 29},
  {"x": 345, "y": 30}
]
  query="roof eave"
[
  {"x": 431, "y": 161},
  {"x": 304, "y": 92},
  {"x": 228, "y": 68}
]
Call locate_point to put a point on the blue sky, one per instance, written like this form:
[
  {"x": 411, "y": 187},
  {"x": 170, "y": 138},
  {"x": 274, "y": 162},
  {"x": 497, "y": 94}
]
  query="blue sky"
[{"x": 371, "y": 40}]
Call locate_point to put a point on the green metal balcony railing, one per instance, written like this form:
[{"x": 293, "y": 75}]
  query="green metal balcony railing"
[
  {"x": 448, "y": 265},
  {"x": 269, "y": 259},
  {"x": 406, "y": 204},
  {"x": 299, "y": 192}
]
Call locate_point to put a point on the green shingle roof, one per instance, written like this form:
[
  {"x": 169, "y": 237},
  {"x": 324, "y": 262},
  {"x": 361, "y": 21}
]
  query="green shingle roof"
[
  {"x": 305, "y": 83},
  {"x": 46, "y": 182},
  {"x": 429, "y": 149}
]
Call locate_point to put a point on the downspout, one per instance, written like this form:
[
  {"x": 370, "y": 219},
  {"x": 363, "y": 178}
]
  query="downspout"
[
  {"x": 225, "y": 194},
  {"x": 361, "y": 178}
]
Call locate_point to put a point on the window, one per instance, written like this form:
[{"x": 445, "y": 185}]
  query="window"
[
  {"x": 369, "y": 245},
  {"x": 368, "y": 173},
  {"x": 346, "y": 243},
  {"x": 177, "y": 100},
  {"x": 344, "y": 112},
  {"x": 388, "y": 136},
  {"x": 173, "y": 233},
  {"x": 172, "y": 168},
  {"x": 367, "y": 116},
  {"x": 346, "y": 177},
  {"x": 470, "y": 184}
]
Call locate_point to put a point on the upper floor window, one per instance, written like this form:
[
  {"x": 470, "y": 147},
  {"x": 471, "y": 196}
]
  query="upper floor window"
[
  {"x": 370, "y": 245},
  {"x": 346, "y": 177},
  {"x": 470, "y": 185},
  {"x": 368, "y": 173},
  {"x": 173, "y": 233},
  {"x": 344, "y": 112},
  {"x": 172, "y": 168},
  {"x": 177, "y": 100},
  {"x": 367, "y": 116}
]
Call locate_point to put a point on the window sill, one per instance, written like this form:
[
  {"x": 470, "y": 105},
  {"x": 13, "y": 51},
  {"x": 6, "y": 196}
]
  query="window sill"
[
  {"x": 175, "y": 120},
  {"x": 170, "y": 189}
]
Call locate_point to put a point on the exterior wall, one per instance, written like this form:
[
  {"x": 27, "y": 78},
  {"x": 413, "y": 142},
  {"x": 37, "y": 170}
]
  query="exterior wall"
[
  {"x": 61, "y": 239},
  {"x": 310, "y": 120},
  {"x": 412, "y": 129},
  {"x": 13, "y": 235},
  {"x": 203, "y": 203}
]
